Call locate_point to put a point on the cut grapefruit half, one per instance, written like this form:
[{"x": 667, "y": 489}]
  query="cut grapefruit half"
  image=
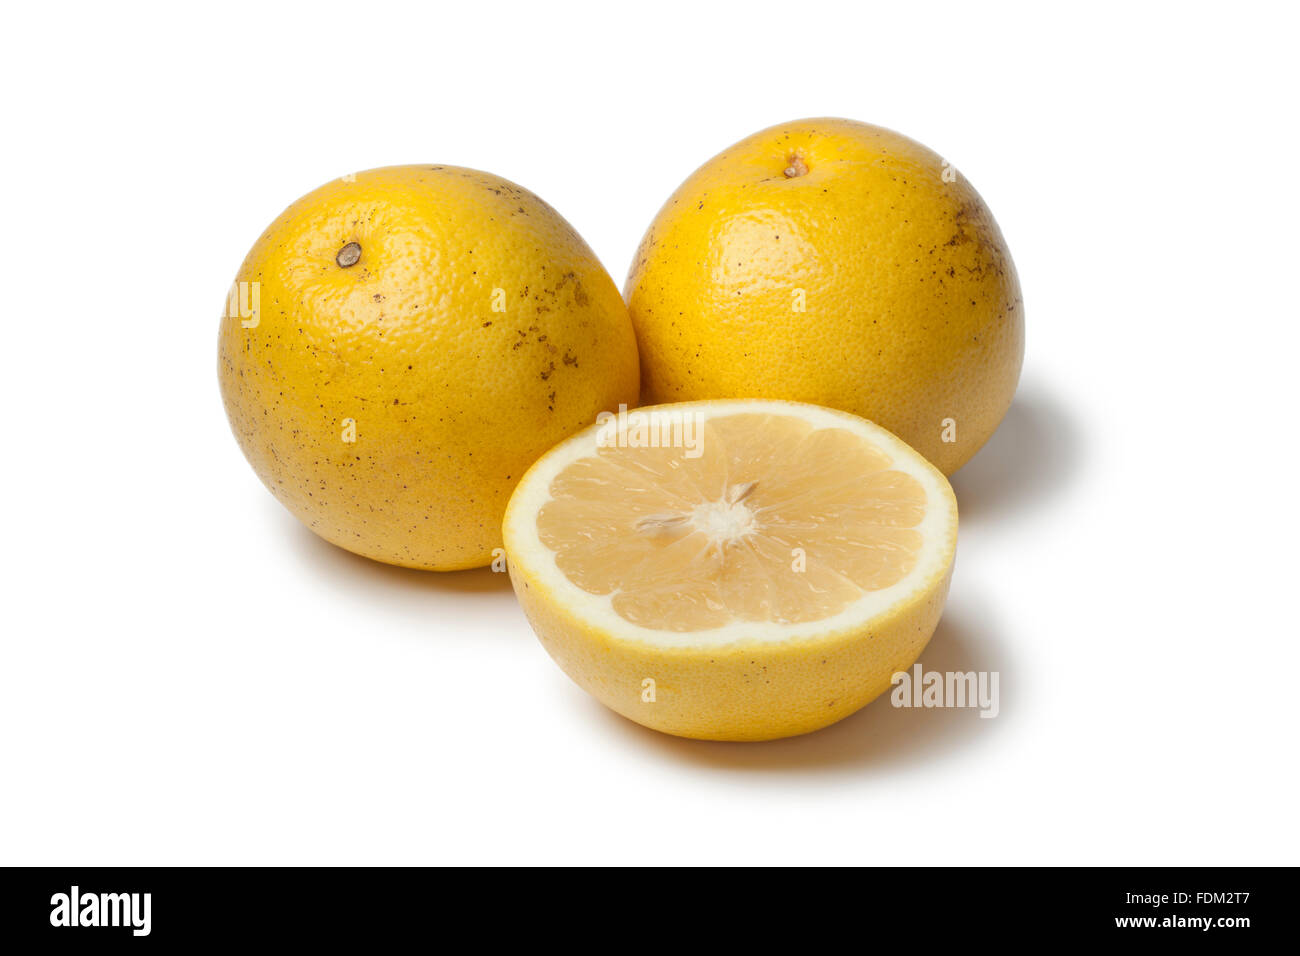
[{"x": 732, "y": 570}]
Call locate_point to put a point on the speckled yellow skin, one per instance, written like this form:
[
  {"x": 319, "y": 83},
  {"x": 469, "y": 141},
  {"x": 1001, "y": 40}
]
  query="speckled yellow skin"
[
  {"x": 912, "y": 310},
  {"x": 451, "y": 400}
]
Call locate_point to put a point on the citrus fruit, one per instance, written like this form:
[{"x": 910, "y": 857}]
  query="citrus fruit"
[
  {"x": 833, "y": 262},
  {"x": 401, "y": 344},
  {"x": 732, "y": 570}
]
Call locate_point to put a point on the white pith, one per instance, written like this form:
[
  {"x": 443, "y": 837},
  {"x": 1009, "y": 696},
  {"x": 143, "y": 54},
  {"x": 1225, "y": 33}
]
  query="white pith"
[{"x": 727, "y": 520}]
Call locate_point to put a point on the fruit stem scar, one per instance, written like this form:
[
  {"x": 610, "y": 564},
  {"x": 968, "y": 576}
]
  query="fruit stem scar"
[
  {"x": 349, "y": 254},
  {"x": 797, "y": 166}
]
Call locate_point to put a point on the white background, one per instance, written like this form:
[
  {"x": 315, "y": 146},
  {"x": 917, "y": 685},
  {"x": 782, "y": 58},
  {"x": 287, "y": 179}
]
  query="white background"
[{"x": 189, "y": 676}]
